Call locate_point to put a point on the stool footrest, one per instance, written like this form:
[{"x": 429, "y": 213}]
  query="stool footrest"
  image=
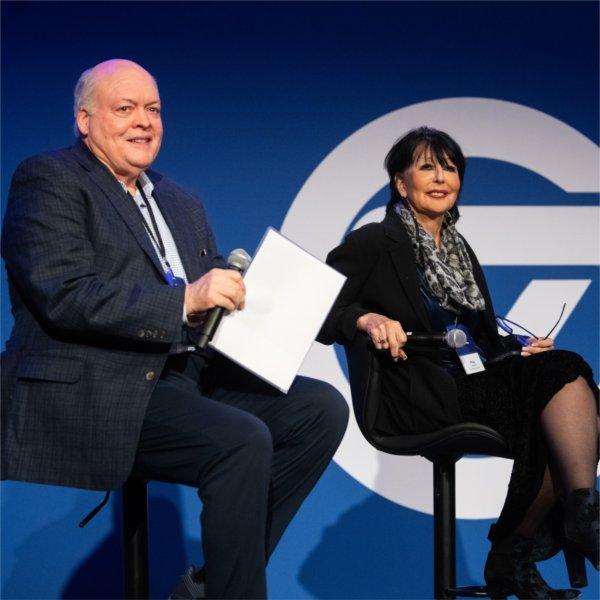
[{"x": 467, "y": 591}]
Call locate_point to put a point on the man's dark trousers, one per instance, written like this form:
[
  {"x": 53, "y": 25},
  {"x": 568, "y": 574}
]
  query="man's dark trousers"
[{"x": 253, "y": 453}]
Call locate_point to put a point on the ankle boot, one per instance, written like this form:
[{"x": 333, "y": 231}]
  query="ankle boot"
[
  {"x": 510, "y": 569},
  {"x": 547, "y": 540},
  {"x": 581, "y": 533}
]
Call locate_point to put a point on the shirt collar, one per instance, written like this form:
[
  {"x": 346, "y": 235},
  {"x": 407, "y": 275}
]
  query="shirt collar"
[{"x": 144, "y": 181}]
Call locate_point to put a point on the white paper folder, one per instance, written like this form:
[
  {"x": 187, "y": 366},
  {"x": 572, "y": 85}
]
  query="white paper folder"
[{"x": 289, "y": 293}]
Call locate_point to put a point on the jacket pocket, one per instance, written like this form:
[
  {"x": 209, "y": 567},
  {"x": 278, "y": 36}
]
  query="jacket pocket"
[{"x": 46, "y": 367}]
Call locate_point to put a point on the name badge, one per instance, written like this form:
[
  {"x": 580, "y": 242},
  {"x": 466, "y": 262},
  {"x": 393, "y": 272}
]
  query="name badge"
[{"x": 468, "y": 354}]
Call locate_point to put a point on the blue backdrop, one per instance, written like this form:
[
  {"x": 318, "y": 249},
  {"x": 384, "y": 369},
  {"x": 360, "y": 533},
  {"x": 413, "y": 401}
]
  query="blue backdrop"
[{"x": 256, "y": 96}]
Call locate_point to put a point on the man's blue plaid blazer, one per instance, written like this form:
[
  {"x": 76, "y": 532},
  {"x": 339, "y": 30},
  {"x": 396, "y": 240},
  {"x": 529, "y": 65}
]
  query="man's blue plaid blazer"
[{"x": 94, "y": 318}]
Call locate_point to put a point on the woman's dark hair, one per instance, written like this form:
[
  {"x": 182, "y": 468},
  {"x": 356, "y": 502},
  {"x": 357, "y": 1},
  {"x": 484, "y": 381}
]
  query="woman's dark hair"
[{"x": 404, "y": 153}]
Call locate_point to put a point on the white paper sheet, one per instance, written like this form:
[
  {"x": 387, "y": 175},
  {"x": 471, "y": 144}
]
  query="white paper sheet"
[{"x": 289, "y": 293}]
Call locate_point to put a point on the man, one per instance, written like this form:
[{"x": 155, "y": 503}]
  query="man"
[{"x": 107, "y": 263}]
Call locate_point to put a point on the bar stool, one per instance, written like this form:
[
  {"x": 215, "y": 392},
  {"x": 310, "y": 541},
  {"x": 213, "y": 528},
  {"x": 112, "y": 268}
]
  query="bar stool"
[{"x": 443, "y": 448}]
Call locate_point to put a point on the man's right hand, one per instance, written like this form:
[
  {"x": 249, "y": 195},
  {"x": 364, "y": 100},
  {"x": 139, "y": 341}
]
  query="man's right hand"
[
  {"x": 385, "y": 333},
  {"x": 218, "y": 287}
]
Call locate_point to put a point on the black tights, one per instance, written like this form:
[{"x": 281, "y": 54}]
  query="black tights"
[{"x": 570, "y": 425}]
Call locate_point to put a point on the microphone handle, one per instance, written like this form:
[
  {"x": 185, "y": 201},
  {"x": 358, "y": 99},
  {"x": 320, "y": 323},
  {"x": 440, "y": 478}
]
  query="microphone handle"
[
  {"x": 210, "y": 326},
  {"x": 425, "y": 339},
  {"x": 212, "y": 320}
]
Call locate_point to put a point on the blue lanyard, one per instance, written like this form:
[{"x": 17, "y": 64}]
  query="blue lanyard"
[{"x": 155, "y": 236}]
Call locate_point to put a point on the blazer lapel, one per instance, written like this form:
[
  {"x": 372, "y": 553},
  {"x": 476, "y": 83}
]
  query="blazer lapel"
[
  {"x": 403, "y": 259},
  {"x": 181, "y": 229},
  {"x": 119, "y": 199}
]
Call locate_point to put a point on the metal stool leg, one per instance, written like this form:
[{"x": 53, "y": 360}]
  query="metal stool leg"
[
  {"x": 444, "y": 536},
  {"x": 444, "y": 533},
  {"x": 135, "y": 538}
]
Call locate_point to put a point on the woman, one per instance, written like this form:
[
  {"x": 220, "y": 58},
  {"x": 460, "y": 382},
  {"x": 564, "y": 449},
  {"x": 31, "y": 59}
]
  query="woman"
[{"x": 414, "y": 272}]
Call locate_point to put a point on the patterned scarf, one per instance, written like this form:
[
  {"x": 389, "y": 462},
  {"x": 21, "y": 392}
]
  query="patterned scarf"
[{"x": 447, "y": 270}]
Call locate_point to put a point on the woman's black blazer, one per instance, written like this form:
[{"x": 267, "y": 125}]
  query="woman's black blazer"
[{"x": 379, "y": 263}]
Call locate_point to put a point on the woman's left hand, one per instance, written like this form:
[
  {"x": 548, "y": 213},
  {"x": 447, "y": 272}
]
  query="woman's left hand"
[{"x": 537, "y": 345}]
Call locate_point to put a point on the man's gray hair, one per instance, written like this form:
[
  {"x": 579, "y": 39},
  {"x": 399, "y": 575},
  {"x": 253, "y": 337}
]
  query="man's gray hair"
[{"x": 83, "y": 97}]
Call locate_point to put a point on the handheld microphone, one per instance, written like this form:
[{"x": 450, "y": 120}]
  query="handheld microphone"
[
  {"x": 455, "y": 338},
  {"x": 238, "y": 260}
]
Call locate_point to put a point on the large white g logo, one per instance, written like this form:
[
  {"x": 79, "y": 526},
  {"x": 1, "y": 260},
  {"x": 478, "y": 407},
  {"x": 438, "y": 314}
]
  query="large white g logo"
[{"x": 352, "y": 173}]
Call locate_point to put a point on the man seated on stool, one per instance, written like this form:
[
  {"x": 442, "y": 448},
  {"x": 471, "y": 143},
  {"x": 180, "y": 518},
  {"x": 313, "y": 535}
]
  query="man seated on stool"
[{"x": 106, "y": 261}]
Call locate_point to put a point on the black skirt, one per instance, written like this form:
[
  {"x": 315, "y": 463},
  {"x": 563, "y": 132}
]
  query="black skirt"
[{"x": 509, "y": 397}]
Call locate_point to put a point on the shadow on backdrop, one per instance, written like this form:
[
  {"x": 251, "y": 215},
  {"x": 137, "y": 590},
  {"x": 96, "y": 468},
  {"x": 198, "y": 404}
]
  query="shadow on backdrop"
[
  {"x": 378, "y": 549},
  {"x": 65, "y": 560},
  {"x": 100, "y": 574}
]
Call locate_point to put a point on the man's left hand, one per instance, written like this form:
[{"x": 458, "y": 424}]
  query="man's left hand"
[{"x": 537, "y": 345}]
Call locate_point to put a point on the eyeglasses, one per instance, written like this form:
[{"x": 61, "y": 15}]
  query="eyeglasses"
[{"x": 503, "y": 323}]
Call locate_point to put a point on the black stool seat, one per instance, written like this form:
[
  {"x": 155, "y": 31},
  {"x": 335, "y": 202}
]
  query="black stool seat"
[
  {"x": 443, "y": 448},
  {"x": 462, "y": 438}
]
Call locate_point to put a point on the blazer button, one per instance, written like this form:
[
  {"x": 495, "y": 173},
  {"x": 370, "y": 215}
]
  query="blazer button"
[{"x": 150, "y": 375}]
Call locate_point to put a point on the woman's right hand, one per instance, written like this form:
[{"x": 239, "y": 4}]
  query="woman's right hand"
[{"x": 384, "y": 333}]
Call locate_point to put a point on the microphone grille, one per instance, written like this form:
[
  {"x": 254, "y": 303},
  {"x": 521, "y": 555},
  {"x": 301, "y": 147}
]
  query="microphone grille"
[
  {"x": 456, "y": 338},
  {"x": 239, "y": 259}
]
